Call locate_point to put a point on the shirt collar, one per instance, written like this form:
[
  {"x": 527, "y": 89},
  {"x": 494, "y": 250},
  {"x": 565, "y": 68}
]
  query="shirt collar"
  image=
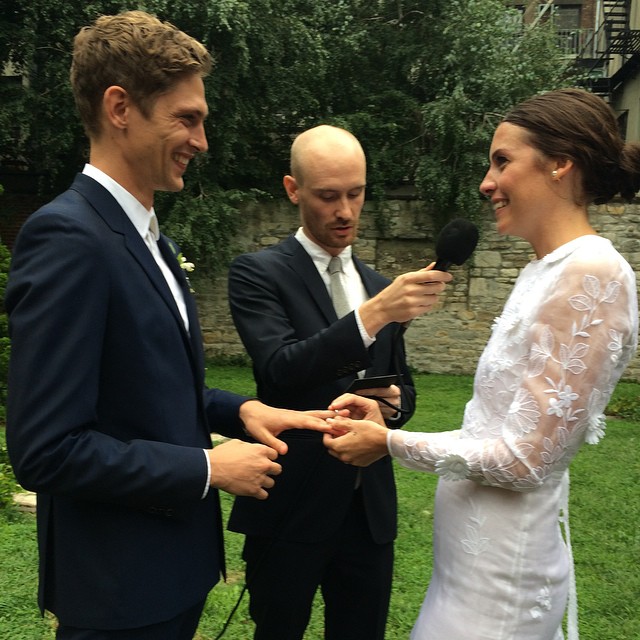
[
  {"x": 140, "y": 217},
  {"x": 319, "y": 256}
]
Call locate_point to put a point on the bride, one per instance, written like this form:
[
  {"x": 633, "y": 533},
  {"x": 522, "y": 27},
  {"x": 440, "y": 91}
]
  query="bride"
[{"x": 502, "y": 568}]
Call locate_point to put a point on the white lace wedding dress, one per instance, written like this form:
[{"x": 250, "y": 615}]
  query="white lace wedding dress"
[{"x": 502, "y": 569}]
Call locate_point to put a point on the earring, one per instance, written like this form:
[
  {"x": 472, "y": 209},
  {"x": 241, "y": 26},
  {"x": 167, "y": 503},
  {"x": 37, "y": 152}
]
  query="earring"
[{"x": 554, "y": 175}]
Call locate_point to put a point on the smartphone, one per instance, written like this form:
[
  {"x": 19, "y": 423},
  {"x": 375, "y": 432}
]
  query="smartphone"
[{"x": 374, "y": 382}]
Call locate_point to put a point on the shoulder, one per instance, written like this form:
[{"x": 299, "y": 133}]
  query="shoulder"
[
  {"x": 277, "y": 254},
  {"x": 597, "y": 256},
  {"x": 77, "y": 206}
]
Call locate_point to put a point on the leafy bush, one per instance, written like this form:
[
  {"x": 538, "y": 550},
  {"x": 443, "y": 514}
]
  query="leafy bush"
[
  {"x": 5, "y": 346},
  {"x": 7, "y": 480},
  {"x": 8, "y": 484}
]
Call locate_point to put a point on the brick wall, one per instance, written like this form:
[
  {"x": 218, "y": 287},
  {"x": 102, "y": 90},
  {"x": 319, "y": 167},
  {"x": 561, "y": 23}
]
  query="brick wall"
[{"x": 450, "y": 338}]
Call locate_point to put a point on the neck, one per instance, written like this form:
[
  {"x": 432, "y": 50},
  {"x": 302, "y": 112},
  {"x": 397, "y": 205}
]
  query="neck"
[
  {"x": 558, "y": 234},
  {"x": 107, "y": 159}
]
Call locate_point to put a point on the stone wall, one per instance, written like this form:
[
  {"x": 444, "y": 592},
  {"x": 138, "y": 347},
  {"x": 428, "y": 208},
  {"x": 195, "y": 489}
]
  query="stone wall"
[{"x": 451, "y": 337}]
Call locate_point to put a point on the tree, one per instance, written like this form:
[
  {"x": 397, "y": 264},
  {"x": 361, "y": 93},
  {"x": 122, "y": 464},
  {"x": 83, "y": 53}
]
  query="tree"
[
  {"x": 418, "y": 82},
  {"x": 480, "y": 79}
]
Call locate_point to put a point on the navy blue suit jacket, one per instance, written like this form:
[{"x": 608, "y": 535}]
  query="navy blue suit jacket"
[
  {"x": 303, "y": 358},
  {"x": 108, "y": 415}
]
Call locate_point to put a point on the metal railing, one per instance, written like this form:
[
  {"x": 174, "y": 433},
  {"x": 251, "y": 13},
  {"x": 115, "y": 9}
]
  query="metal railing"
[{"x": 572, "y": 42}]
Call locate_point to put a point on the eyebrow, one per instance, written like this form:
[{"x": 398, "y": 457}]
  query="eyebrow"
[
  {"x": 333, "y": 190},
  {"x": 191, "y": 110}
]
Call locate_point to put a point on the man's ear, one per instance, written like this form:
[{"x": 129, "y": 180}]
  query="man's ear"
[
  {"x": 116, "y": 103},
  {"x": 291, "y": 187}
]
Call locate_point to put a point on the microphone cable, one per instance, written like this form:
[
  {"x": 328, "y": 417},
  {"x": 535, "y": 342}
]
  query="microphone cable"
[{"x": 278, "y": 530}]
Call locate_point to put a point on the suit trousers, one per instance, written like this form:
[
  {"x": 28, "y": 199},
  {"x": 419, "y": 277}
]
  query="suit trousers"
[
  {"x": 353, "y": 572},
  {"x": 182, "y": 627}
]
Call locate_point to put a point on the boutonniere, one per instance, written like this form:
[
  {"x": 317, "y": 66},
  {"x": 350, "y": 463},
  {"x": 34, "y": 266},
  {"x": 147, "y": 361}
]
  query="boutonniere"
[{"x": 188, "y": 267}]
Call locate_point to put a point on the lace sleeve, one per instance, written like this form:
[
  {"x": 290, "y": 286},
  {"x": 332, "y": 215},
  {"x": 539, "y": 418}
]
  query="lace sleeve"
[{"x": 578, "y": 341}]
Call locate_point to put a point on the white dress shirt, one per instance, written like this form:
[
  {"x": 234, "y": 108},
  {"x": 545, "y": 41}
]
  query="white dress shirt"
[
  {"x": 146, "y": 224},
  {"x": 351, "y": 280}
]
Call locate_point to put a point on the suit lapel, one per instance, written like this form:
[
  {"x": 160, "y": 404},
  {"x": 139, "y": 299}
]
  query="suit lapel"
[
  {"x": 107, "y": 207},
  {"x": 170, "y": 255},
  {"x": 303, "y": 266},
  {"x": 369, "y": 278}
]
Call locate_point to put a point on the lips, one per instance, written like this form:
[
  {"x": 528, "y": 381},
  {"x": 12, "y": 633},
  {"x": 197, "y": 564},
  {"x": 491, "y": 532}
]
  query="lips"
[{"x": 182, "y": 159}]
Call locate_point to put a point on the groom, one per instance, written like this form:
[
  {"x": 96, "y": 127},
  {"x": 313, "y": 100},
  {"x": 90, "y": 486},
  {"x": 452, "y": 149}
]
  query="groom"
[{"x": 108, "y": 417}]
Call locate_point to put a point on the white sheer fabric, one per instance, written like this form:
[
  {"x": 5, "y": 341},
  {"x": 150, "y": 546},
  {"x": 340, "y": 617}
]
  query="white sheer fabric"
[{"x": 501, "y": 566}]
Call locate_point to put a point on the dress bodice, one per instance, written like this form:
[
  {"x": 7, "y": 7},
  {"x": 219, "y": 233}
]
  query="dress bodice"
[{"x": 565, "y": 336}]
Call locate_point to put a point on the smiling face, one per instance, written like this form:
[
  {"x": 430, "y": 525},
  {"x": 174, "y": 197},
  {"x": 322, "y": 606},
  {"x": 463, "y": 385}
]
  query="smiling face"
[
  {"x": 517, "y": 183},
  {"x": 157, "y": 149},
  {"x": 330, "y": 191}
]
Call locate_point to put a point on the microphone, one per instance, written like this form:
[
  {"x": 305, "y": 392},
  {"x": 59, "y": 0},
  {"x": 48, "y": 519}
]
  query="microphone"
[{"x": 455, "y": 244}]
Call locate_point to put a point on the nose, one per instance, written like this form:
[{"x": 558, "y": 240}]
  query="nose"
[
  {"x": 344, "y": 207},
  {"x": 488, "y": 185},
  {"x": 199, "y": 140}
]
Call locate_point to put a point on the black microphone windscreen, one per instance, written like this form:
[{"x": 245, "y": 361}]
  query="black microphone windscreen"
[{"x": 456, "y": 243}]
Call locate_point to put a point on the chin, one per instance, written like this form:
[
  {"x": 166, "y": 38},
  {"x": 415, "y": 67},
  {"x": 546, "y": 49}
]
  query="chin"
[{"x": 502, "y": 227}]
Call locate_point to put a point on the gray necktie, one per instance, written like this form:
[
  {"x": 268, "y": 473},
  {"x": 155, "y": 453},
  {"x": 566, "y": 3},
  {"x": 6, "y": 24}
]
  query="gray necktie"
[{"x": 338, "y": 294}]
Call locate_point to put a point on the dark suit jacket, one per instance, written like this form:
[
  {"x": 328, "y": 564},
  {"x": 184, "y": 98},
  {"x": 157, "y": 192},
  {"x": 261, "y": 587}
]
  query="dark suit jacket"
[
  {"x": 303, "y": 358},
  {"x": 107, "y": 417}
]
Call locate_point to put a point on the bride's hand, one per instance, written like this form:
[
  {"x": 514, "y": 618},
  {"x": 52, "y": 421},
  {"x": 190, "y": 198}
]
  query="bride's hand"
[{"x": 356, "y": 442}]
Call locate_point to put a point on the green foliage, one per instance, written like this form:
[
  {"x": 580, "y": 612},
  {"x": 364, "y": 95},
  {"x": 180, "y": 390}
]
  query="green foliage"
[
  {"x": 420, "y": 83},
  {"x": 8, "y": 485},
  {"x": 204, "y": 224},
  {"x": 480, "y": 78},
  {"x": 625, "y": 402},
  {"x": 5, "y": 344},
  {"x": 7, "y": 480}
]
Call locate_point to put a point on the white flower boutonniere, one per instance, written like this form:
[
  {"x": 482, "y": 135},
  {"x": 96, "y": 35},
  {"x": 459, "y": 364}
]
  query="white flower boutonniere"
[{"x": 188, "y": 267}]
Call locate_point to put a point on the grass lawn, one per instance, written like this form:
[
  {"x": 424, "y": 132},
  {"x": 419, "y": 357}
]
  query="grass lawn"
[{"x": 605, "y": 528}]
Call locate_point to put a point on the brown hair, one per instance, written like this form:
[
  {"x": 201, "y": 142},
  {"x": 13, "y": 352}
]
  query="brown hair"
[
  {"x": 576, "y": 124},
  {"x": 135, "y": 51}
]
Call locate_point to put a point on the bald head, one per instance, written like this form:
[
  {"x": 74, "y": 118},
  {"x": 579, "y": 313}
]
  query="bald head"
[
  {"x": 327, "y": 183},
  {"x": 323, "y": 145}
]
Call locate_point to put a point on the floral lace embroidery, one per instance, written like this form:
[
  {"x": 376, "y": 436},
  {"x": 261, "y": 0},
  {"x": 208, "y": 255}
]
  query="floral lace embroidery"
[
  {"x": 512, "y": 437},
  {"x": 542, "y": 383},
  {"x": 452, "y": 467},
  {"x": 475, "y": 543},
  {"x": 543, "y": 602}
]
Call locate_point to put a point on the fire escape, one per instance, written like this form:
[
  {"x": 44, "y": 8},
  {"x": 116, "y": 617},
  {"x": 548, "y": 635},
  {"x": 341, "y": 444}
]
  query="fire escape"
[{"x": 613, "y": 54}]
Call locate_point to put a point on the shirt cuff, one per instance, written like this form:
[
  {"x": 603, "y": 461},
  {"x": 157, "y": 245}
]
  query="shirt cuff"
[
  {"x": 206, "y": 488},
  {"x": 367, "y": 340}
]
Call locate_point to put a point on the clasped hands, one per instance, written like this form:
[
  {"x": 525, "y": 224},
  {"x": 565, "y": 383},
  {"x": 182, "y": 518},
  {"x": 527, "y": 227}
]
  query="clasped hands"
[
  {"x": 352, "y": 433},
  {"x": 358, "y": 435}
]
